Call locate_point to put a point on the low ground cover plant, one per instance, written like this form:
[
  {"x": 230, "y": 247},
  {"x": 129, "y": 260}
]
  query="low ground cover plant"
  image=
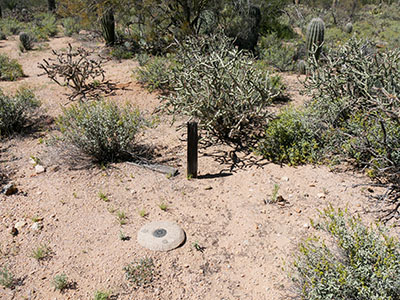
[
  {"x": 16, "y": 110},
  {"x": 356, "y": 262},
  {"x": 10, "y": 69},
  {"x": 101, "y": 129},
  {"x": 140, "y": 273}
]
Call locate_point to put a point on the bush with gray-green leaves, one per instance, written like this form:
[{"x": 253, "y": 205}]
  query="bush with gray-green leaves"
[
  {"x": 16, "y": 110},
  {"x": 220, "y": 87},
  {"x": 357, "y": 262},
  {"x": 101, "y": 129}
]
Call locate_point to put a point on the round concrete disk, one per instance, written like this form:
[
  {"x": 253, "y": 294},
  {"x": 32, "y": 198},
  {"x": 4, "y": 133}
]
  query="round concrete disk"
[{"x": 161, "y": 236}]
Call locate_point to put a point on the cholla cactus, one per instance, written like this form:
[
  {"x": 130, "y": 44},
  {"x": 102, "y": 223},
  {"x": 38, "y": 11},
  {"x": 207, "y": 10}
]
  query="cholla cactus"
[
  {"x": 26, "y": 41},
  {"x": 108, "y": 27},
  {"x": 315, "y": 37}
]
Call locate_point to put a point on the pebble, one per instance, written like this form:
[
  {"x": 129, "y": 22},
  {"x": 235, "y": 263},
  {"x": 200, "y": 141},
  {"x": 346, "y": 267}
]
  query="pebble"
[
  {"x": 37, "y": 226},
  {"x": 321, "y": 195},
  {"x": 9, "y": 189},
  {"x": 39, "y": 169},
  {"x": 306, "y": 225},
  {"x": 19, "y": 225},
  {"x": 285, "y": 178}
]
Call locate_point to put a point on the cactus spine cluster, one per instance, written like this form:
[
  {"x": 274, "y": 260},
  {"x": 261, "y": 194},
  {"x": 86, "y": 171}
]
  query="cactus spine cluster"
[
  {"x": 26, "y": 41},
  {"x": 108, "y": 27},
  {"x": 315, "y": 37}
]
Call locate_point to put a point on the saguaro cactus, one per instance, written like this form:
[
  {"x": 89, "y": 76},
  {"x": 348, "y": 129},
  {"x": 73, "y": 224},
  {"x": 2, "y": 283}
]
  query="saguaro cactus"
[
  {"x": 315, "y": 37},
  {"x": 108, "y": 27}
]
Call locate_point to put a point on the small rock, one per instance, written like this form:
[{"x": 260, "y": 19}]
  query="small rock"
[
  {"x": 39, "y": 169},
  {"x": 370, "y": 190},
  {"x": 9, "y": 189},
  {"x": 14, "y": 231},
  {"x": 37, "y": 226},
  {"x": 55, "y": 168},
  {"x": 19, "y": 225},
  {"x": 285, "y": 178},
  {"x": 208, "y": 188},
  {"x": 321, "y": 195},
  {"x": 306, "y": 225}
]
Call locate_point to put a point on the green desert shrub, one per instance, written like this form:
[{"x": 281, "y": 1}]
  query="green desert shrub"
[
  {"x": 101, "y": 129},
  {"x": 16, "y": 110},
  {"x": 71, "y": 26},
  {"x": 291, "y": 138},
  {"x": 10, "y": 26},
  {"x": 155, "y": 73},
  {"x": 10, "y": 69},
  {"x": 45, "y": 26},
  {"x": 7, "y": 279},
  {"x": 220, "y": 86},
  {"x": 356, "y": 99},
  {"x": 356, "y": 262},
  {"x": 276, "y": 53}
]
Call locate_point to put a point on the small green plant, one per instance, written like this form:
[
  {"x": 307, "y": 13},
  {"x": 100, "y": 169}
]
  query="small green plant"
[
  {"x": 10, "y": 69},
  {"x": 6, "y": 278},
  {"x": 122, "y": 218},
  {"x": 103, "y": 196},
  {"x": 163, "y": 206},
  {"x": 36, "y": 219},
  {"x": 60, "y": 282},
  {"x": 363, "y": 263},
  {"x": 197, "y": 247},
  {"x": 143, "y": 213},
  {"x": 123, "y": 236},
  {"x": 275, "y": 191},
  {"x": 101, "y": 129},
  {"x": 140, "y": 273},
  {"x": 41, "y": 252},
  {"x": 102, "y": 295}
]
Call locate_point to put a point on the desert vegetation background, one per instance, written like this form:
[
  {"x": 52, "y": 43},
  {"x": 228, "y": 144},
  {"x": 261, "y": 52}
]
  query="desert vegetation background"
[{"x": 298, "y": 187}]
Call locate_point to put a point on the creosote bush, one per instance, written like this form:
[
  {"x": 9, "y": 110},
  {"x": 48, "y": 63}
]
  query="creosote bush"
[
  {"x": 220, "y": 87},
  {"x": 358, "y": 262},
  {"x": 16, "y": 110},
  {"x": 291, "y": 137},
  {"x": 101, "y": 129},
  {"x": 10, "y": 69}
]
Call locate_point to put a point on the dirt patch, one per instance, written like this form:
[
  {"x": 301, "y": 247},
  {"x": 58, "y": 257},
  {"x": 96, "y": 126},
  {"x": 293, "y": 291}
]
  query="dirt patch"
[{"x": 236, "y": 244}]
